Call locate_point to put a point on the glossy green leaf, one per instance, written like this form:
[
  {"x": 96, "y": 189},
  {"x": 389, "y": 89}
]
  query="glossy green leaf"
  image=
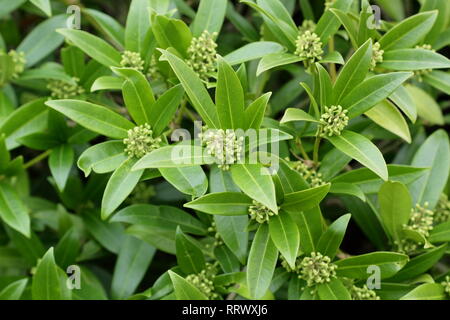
[
  {"x": 184, "y": 290},
  {"x": 102, "y": 158},
  {"x": 14, "y": 290},
  {"x": 222, "y": 203},
  {"x": 261, "y": 262},
  {"x": 413, "y": 59},
  {"x": 285, "y": 235},
  {"x": 60, "y": 162},
  {"x": 253, "y": 51},
  {"x": 305, "y": 199},
  {"x": 13, "y": 211},
  {"x": 331, "y": 239},
  {"x": 189, "y": 180},
  {"x": 210, "y": 16},
  {"x": 189, "y": 255}
]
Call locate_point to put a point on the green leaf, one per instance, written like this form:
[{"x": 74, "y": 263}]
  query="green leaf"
[
  {"x": 49, "y": 281},
  {"x": 13, "y": 211},
  {"x": 137, "y": 26},
  {"x": 60, "y": 162},
  {"x": 440, "y": 233},
  {"x": 44, "y": 6},
  {"x": 189, "y": 180},
  {"x": 109, "y": 235},
  {"x": 357, "y": 267},
  {"x": 14, "y": 290},
  {"x": 229, "y": 97},
  {"x": 363, "y": 97},
  {"x": 137, "y": 94},
  {"x": 420, "y": 264},
  {"x": 349, "y": 189},
  {"x": 173, "y": 156},
  {"x": 285, "y": 235},
  {"x": 171, "y": 33},
  {"x": 253, "y": 51},
  {"x": 222, "y": 203},
  {"x": 164, "y": 216},
  {"x": 349, "y": 24},
  {"x": 255, "y": 181},
  {"x": 165, "y": 108},
  {"x": 254, "y": 113},
  {"x": 184, "y": 290},
  {"x": 395, "y": 207},
  {"x": 404, "y": 102},
  {"x": 261, "y": 262},
  {"x": 413, "y": 59},
  {"x": 102, "y": 158},
  {"x": 189, "y": 255},
  {"x": 227, "y": 259},
  {"x": 328, "y": 24},
  {"x": 194, "y": 88},
  {"x": 95, "y": 47},
  {"x": 93, "y": 117},
  {"x": 210, "y": 16},
  {"x": 387, "y": 116},
  {"x": 426, "y": 291},
  {"x": 325, "y": 86},
  {"x": 132, "y": 263},
  {"x": 333, "y": 290},
  {"x": 353, "y": 72},
  {"x": 68, "y": 248},
  {"x": 112, "y": 29},
  {"x": 276, "y": 59},
  {"x": 370, "y": 183},
  {"x": 120, "y": 185},
  {"x": 362, "y": 150},
  {"x": 408, "y": 32},
  {"x": 294, "y": 114},
  {"x": 427, "y": 108},
  {"x": 435, "y": 154},
  {"x": 43, "y": 40},
  {"x": 439, "y": 79},
  {"x": 305, "y": 199},
  {"x": 331, "y": 239},
  {"x": 15, "y": 126},
  {"x": 107, "y": 83}
]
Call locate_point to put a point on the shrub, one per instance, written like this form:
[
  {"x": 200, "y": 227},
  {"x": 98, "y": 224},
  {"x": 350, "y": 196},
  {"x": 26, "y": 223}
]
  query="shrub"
[{"x": 164, "y": 149}]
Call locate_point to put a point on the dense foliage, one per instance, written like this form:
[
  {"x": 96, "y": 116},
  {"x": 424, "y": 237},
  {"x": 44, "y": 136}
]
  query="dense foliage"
[{"x": 216, "y": 149}]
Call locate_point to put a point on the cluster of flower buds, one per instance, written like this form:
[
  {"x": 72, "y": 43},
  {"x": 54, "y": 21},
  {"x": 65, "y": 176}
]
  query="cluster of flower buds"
[
  {"x": 204, "y": 281},
  {"x": 64, "y": 90},
  {"x": 133, "y": 60},
  {"x": 442, "y": 210},
  {"x": 202, "y": 55},
  {"x": 140, "y": 141},
  {"x": 212, "y": 230},
  {"x": 421, "y": 219},
  {"x": 224, "y": 145},
  {"x": 19, "y": 62},
  {"x": 333, "y": 121},
  {"x": 259, "y": 212},
  {"x": 308, "y": 173},
  {"x": 309, "y": 47},
  {"x": 307, "y": 25},
  {"x": 377, "y": 55},
  {"x": 420, "y": 73},
  {"x": 152, "y": 71},
  {"x": 363, "y": 293},
  {"x": 141, "y": 193},
  {"x": 317, "y": 269}
]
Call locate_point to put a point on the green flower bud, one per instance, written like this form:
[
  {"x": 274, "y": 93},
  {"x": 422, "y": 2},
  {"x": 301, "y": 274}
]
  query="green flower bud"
[
  {"x": 333, "y": 120},
  {"x": 259, "y": 212},
  {"x": 203, "y": 281},
  {"x": 421, "y": 219},
  {"x": 153, "y": 72},
  {"x": 329, "y": 3},
  {"x": 224, "y": 145},
  {"x": 19, "y": 61},
  {"x": 64, "y": 90},
  {"x": 442, "y": 210},
  {"x": 377, "y": 55},
  {"x": 309, "y": 47},
  {"x": 307, "y": 25},
  {"x": 363, "y": 293},
  {"x": 420, "y": 73},
  {"x": 140, "y": 141},
  {"x": 309, "y": 174},
  {"x": 317, "y": 269},
  {"x": 202, "y": 55},
  {"x": 212, "y": 230},
  {"x": 133, "y": 60},
  {"x": 288, "y": 268}
]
